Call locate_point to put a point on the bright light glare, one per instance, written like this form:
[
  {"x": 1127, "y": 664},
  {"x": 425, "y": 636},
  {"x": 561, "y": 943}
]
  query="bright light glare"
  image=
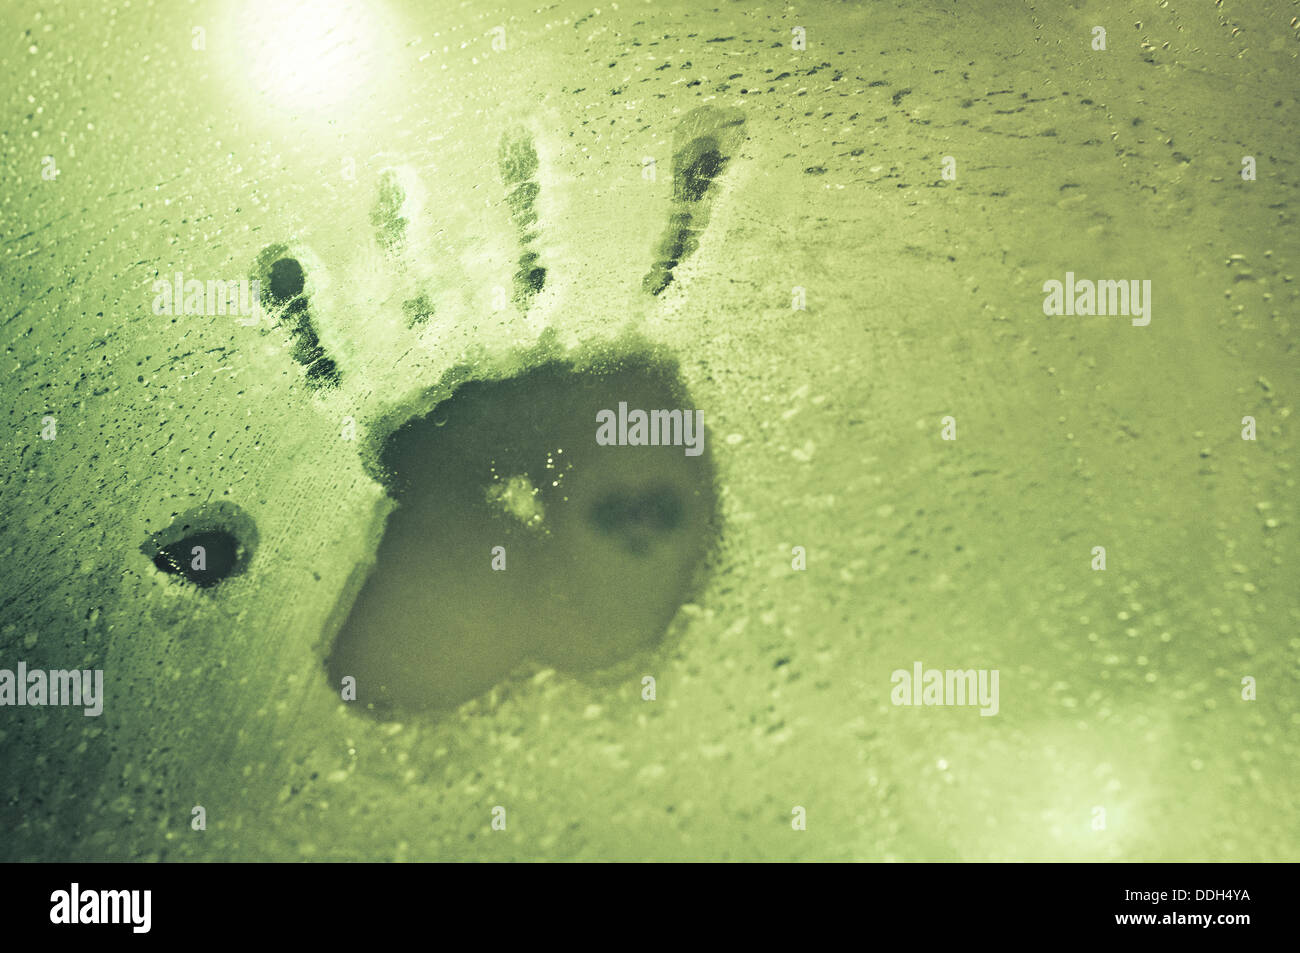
[{"x": 311, "y": 55}]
